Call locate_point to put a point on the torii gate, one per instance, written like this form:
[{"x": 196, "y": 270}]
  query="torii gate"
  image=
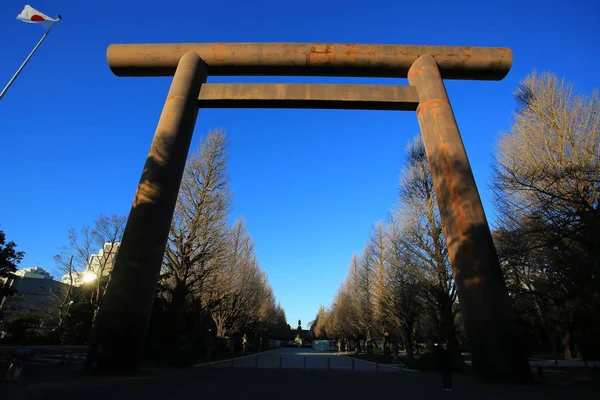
[{"x": 118, "y": 335}]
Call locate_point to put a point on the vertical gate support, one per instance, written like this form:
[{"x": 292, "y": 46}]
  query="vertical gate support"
[
  {"x": 120, "y": 327},
  {"x": 496, "y": 345}
]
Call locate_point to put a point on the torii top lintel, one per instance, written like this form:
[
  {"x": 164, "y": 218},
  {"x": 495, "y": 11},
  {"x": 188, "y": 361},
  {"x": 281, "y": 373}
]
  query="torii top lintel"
[{"x": 306, "y": 59}]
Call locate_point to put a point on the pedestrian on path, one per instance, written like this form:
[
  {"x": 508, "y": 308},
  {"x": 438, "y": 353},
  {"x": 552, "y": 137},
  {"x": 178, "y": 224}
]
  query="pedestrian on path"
[
  {"x": 443, "y": 364},
  {"x": 15, "y": 370}
]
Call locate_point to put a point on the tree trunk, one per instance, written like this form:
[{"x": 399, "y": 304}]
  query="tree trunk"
[
  {"x": 583, "y": 348},
  {"x": 62, "y": 312},
  {"x": 566, "y": 343},
  {"x": 178, "y": 296},
  {"x": 386, "y": 346},
  {"x": 220, "y": 327},
  {"x": 408, "y": 340},
  {"x": 96, "y": 301},
  {"x": 449, "y": 332},
  {"x": 555, "y": 349}
]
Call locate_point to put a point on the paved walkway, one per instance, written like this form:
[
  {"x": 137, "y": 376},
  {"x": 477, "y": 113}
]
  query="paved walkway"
[
  {"x": 563, "y": 363},
  {"x": 243, "y": 383},
  {"x": 301, "y": 359},
  {"x": 260, "y": 377}
]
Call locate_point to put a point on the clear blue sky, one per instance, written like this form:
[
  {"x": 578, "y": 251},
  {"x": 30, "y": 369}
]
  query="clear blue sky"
[{"x": 310, "y": 183}]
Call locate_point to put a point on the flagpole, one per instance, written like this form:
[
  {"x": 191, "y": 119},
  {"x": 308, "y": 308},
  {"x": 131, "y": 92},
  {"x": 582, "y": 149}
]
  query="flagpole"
[{"x": 27, "y": 59}]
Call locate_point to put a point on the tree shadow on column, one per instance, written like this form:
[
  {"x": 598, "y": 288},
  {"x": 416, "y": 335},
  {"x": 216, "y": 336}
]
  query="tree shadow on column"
[
  {"x": 118, "y": 334},
  {"x": 497, "y": 346}
]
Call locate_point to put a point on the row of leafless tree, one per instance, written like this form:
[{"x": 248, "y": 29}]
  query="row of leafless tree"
[
  {"x": 546, "y": 183},
  {"x": 210, "y": 280},
  {"x": 401, "y": 285},
  {"x": 209, "y": 262}
]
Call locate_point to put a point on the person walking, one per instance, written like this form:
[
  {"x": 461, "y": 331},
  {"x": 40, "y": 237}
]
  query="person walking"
[
  {"x": 15, "y": 370},
  {"x": 8, "y": 378},
  {"x": 443, "y": 364}
]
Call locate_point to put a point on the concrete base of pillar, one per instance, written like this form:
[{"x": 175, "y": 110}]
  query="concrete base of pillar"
[
  {"x": 497, "y": 353},
  {"x": 119, "y": 344}
]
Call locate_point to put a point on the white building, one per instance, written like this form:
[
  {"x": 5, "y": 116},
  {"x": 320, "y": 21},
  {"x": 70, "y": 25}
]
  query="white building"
[
  {"x": 76, "y": 277},
  {"x": 99, "y": 265},
  {"x": 34, "y": 272},
  {"x": 35, "y": 292}
]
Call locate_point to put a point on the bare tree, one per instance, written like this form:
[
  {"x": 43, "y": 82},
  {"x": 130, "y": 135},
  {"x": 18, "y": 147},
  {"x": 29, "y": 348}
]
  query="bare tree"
[
  {"x": 404, "y": 285},
  {"x": 320, "y": 327},
  {"x": 256, "y": 294},
  {"x": 107, "y": 234},
  {"x": 549, "y": 163},
  {"x": 73, "y": 258},
  {"x": 210, "y": 274},
  {"x": 524, "y": 260},
  {"x": 345, "y": 318},
  {"x": 546, "y": 182},
  {"x": 377, "y": 256},
  {"x": 403, "y": 272},
  {"x": 424, "y": 243},
  {"x": 225, "y": 298},
  {"x": 364, "y": 276},
  {"x": 79, "y": 263},
  {"x": 197, "y": 239},
  {"x": 65, "y": 300},
  {"x": 351, "y": 310}
]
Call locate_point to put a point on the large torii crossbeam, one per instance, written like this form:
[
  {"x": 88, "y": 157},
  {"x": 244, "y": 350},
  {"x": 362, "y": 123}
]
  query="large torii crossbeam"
[{"x": 496, "y": 347}]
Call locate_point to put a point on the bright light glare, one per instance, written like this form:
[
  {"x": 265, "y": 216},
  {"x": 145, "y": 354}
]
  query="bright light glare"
[{"x": 89, "y": 277}]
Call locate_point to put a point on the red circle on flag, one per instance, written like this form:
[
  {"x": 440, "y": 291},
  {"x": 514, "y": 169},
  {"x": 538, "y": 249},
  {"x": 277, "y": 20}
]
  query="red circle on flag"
[{"x": 37, "y": 18}]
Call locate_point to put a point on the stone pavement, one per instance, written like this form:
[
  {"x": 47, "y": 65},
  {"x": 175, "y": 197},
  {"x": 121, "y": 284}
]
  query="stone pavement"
[
  {"x": 225, "y": 384},
  {"x": 301, "y": 359},
  {"x": 246, "y": 381}
]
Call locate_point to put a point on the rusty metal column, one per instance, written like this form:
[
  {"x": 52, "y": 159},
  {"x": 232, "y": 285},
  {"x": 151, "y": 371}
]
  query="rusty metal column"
[
  {"x": 497, "y": 348},
  {"x": 118, "y": 335}
]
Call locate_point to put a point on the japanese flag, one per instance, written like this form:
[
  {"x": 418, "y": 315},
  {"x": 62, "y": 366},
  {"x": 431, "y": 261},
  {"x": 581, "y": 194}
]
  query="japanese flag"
[{"x": 33, "y": 16}]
